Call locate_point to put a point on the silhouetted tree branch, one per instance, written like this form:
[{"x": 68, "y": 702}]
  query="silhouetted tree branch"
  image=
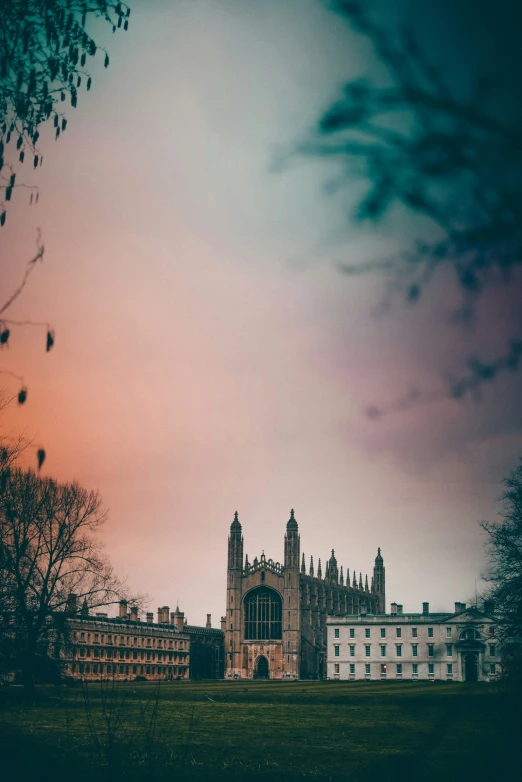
[
  {"x": 44, "y": 51},
  {"x": 457, "y": 163}
]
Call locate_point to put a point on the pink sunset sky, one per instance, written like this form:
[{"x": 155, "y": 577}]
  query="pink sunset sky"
[{"x": 210, "y": 357}]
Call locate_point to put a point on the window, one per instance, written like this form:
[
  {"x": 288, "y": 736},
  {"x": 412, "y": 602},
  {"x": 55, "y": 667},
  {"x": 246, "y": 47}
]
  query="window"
[
  {"x": 352, "y": 668},
  {"x": 414, "y": 632},
  {"x": 82, "y": 636},
  {"x": 367, "y": 668},
  {"x": 492, "y": 668},
  {"x": 430, "y": 650},
  {"x": 492, "y": 650},
  {"x": 430, "y": 632},
  {"x": 263, "y": 615},
  {"x": 383, "y": 632},
  {"x": 399, "y": 668},
  {"x": 449, "y": 669},
  {"x": 469, "y": 634},
  {"x": 449, "y": 650},
  {"x": 366, "y": 632},
  {"x": 336, "y": 650},
  {"x": 352, "y": 632},
  {"x": 415, "y": 668},
  {"x": 383, "y": 669},
  {"x": 367, "y": 650},
  {"x": 491, "y": 630},
  {"x": 398, "y": 632},
  {"x": 336, "y": 632},
  {"x": 448, "y": 632},
  {"x": 414, "y": 650},
  {"x": 383, "y": 650},
  {"x": 336, "y": 667},
  {"x": 398, "y": 648},
  {"x": 431, "y": 669},
  {"x": 352, "y": 650},
  {"x": 96, "y": 638}
]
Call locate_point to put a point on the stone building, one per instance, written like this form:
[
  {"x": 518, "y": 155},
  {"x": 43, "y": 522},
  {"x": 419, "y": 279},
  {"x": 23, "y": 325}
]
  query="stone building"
[
  {"x": 275, "y": 623},
  {"x": 124, "y": 647},
  {"x": 457, "y": 646}
]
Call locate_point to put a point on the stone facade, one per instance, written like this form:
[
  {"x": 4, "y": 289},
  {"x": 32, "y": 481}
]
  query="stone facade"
[
  {"x": 457, "y": 646},
  {"x": 124, "y": 647},
  {"x": 275, "y": 623}
]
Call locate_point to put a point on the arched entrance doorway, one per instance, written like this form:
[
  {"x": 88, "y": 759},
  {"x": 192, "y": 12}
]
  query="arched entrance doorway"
[
  {"x": 470, "y": 668},
  {"x": 261, "y": 670}
]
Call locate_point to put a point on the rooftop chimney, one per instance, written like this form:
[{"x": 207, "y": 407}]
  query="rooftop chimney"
[
  {"x": 425, "y": 608},
  {"x": 163, "y": 615},
  {"x": 134, "y": 613},
  {"x": 209, "y": 623},
  {"x": 150, "y": 618},
  {"x": 123, "y": 609},
  {"x": 463, "y": 606},
  {"x": 399, "y": 609},
  {"x": 393, "y": 608},
  {"x": 223, "y": 624},
  {"x": 457, "y": 607}
]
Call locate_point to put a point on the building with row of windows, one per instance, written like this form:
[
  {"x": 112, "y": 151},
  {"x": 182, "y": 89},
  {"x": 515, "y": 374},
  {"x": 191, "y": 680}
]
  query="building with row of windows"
[
  {"x": 457, "y": 646},
  {"x": 124, "y": 647}
]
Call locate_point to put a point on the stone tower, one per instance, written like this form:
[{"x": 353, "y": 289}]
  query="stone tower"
[
  {"x": 234, "y": 577},
  {"x": 379, "y": 581},
  {"x": 291, "y": 601}
]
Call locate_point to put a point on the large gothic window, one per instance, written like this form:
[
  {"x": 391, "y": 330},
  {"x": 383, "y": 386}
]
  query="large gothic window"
[{"x": 263, "y": 615}]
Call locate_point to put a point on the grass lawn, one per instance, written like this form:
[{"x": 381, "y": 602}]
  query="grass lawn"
[{"x": 261, "y": 731}]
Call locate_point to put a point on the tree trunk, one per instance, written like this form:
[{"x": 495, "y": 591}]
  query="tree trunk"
[{"x": 28, "y": 671}]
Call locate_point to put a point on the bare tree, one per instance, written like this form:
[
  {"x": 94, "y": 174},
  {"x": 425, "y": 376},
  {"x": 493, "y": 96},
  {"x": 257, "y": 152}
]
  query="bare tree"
[
  {"x": 455, "y": 162},
  {"x": 504, "y": 547},
  {"x": 48, "y": 552}
]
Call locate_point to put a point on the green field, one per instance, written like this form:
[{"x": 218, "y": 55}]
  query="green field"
[{"x": 299, "y": 730}]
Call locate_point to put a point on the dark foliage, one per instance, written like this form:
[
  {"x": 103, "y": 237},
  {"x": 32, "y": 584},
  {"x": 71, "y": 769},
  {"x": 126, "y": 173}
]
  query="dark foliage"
[
  {"x": 504, "y": 544},
  {"x": 457, "y": 162},
  {"x": 44, "y": 53}
]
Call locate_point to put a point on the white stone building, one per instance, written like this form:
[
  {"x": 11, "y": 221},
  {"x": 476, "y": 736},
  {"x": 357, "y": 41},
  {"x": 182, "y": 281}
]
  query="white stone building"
[{"x": 457, "y": 646}]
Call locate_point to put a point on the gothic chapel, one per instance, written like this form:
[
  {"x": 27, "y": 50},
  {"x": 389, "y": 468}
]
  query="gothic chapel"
[{"x": 275, "y": 624}]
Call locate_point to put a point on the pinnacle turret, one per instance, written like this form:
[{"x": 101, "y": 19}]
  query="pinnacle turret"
[
  {"x": 312, "y": 566},
  {"x": 303, "y": 565},
  {"x": 292, "y": 523},
  {"x": 319, "y": 571}
]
